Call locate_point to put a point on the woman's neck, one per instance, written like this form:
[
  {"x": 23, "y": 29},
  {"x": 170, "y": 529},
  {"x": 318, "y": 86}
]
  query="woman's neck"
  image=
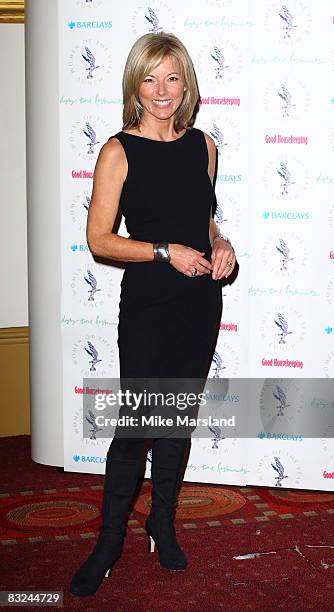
[{"x": 157, "y": 130}]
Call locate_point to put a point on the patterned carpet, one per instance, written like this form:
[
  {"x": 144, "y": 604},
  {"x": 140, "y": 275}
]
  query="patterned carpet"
[
  {"x": 248, "y": 547},
  {"x": 75, "y": 511}
]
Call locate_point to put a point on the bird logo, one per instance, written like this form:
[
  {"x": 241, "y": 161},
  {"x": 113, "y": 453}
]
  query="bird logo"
[
  {"x": 91, "y": 135},
  {"x": 92, "y": 352},
  {"x": 284, "y": 250},
  {"x": 90, "y": 59},
  {"x": 153, "y": 20},
  {"x": 278, "y": 467},
  {"x": 219, "y": 216},
  {"x": 283, "y": 326},
  {"x": 217, "y": 435},
  {"x": 86, "y": 202},
  {"x": 287, "y": 17},
  {"x": 218, "y": 137},
  {"x": 280, "y": 395},
  {"x": 285, "y": 175},
  {"x": 285, "y": 95},
  {"x": 218, "y": 57},
  {"x": 91, "y": 419},
  {"x": 92, "y": 282},
  {"x": 218, "y": 364}
]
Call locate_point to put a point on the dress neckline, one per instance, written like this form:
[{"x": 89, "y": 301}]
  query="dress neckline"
[{"x": 153, "y": 139}]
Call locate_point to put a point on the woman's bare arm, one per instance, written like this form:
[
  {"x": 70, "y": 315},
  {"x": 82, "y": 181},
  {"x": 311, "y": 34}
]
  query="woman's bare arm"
[
  {"x": 109, "y": 176},
  {"x": 212, "y": 154},
  {"x": 222, "y": 250}
]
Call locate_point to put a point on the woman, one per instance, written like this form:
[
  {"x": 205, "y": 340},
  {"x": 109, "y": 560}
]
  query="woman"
[{"x": 159, "y": 171}]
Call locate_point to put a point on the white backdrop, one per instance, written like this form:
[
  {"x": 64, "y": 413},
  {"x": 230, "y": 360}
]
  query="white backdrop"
[{"x": 265, "y": 73}]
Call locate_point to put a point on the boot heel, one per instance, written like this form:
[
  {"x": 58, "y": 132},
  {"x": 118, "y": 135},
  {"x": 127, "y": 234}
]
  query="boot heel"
[{"x": 150, "y": 543}]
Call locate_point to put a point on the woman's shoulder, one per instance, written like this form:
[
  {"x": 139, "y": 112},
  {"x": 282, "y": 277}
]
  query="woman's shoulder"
[
  {"x": 112, "y": 149},
  {"x": 112, "y": 156}
]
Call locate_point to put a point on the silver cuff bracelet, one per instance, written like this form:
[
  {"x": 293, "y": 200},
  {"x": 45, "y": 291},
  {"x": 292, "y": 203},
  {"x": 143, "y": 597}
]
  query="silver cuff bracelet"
[{"x": 161, "y": 252}]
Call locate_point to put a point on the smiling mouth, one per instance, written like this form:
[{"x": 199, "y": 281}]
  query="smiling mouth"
[{"x": 162, "y": 102}]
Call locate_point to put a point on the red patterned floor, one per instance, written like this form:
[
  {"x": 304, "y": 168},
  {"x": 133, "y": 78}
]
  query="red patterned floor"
[{"x": 255, "y": 548}]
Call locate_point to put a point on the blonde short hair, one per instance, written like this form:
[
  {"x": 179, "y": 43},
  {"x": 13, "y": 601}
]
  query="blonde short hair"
[{"x": 146, "y": 54}]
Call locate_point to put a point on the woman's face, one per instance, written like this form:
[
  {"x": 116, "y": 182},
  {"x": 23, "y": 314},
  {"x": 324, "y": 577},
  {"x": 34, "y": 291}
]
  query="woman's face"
[{"x": 161, "y": 91}]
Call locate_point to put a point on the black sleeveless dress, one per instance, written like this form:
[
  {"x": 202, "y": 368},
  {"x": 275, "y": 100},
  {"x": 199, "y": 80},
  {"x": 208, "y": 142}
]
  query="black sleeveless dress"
[{"x": 168, "y": 322}]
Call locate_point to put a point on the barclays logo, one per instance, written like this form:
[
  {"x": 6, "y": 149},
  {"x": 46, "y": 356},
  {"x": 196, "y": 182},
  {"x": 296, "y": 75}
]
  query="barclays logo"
[
  {"x": 267, "y": 435},
  {"x": 286, "y": 215},
  {"x": 229, "y": 178},
  {"x": 89, "y": 25},
  {"x": 79, "y": 247},
  {"x": 88, "y": 459}
]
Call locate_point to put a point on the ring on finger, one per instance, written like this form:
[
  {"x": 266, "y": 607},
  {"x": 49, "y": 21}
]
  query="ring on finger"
[
  {"x": 230, "y": 263},
  {"x": 194, "y": 272}
]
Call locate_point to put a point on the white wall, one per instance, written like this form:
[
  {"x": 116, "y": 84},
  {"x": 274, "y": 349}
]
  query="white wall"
[{"x": 13, "y": 217}]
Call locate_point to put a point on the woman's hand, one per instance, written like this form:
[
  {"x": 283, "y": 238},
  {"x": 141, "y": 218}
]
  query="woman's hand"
[
  {"x": 222, "y": 258},
  {"x": 188, "y": 260}
]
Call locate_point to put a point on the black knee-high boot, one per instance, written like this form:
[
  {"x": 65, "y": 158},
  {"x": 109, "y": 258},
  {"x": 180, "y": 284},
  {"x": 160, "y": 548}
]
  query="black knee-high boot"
[
  {"x": 123, "y": 464},
  {"x": 167, "y": 459}
]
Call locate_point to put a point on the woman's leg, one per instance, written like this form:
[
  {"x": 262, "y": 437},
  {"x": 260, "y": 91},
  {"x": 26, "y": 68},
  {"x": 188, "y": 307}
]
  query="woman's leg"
[
  {"x": 168, "y": 456},
  {"x": 124, "y": 460}
]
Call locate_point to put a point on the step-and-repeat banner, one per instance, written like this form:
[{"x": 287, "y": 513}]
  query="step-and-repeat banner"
[{"x": 265, "y": 73}]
